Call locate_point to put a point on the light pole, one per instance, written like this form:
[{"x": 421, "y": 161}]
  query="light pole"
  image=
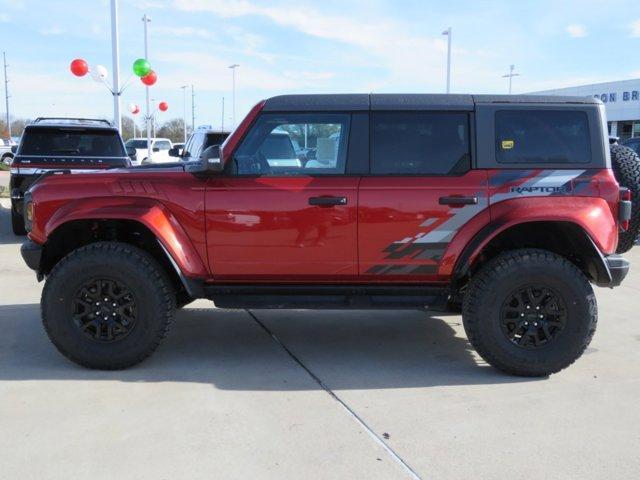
[
  {"x": 146, "y": 20},
  {"x": 193, "y": 109},
  {"x": 233, "y": 99},
  {"x": 447, "y": 32},
  {"x": 153, "y": 116},
  {"x": 6, "y": 92},
  {"x": 222, "y": 124},
  {"x": 184, "y": 111},
  {"x": 510, "y": 76},
  {"x": 115, "y": 53}
]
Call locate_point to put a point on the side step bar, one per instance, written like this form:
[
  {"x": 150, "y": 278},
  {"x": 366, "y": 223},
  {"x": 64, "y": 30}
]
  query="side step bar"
[{"x": 327, "y": 296}]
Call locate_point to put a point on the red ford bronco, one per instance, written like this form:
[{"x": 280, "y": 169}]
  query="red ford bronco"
[{"x": 505, "y": 207}]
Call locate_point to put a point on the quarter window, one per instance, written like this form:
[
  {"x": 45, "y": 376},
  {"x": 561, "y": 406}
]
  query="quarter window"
[
  {"x": 419, "y": 143},
  {"x": 542, "y": 136},
  {"x": 294, "y": 144}
]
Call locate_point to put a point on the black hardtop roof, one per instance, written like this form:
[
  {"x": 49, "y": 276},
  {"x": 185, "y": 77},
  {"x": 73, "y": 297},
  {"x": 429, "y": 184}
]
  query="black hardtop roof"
[{"x": 407, "y": 101}]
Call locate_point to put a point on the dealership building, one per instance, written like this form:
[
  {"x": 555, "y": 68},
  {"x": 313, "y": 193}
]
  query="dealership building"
[{"x": 621, "y": 100}]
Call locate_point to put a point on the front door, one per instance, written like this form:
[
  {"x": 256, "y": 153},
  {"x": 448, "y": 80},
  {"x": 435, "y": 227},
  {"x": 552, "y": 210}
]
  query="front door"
[
  {"x": 284, "y": 209},
  {"x": 419, "y": 194}
]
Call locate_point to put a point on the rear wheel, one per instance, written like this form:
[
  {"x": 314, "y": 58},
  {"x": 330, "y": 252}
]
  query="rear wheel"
[
  {"x": 626, "y": 167},
  {"x": 529, "y": 312},
  {"x": 107, "y": 305},
  {"x": 17, "y": 220}
]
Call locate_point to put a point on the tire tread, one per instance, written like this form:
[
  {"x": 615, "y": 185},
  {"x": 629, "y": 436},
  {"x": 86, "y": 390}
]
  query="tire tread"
[
  {"x": 482, "y": 282},
  {"x": 147, "y": 265}
]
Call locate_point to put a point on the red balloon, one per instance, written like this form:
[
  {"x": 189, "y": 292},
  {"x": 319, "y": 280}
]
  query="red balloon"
[
  {"x": 150, "y": 78},
  {"x": 163, "y": 106},
  {"x": 79, "y": 67},
  {"x": 136, "y": 111}
]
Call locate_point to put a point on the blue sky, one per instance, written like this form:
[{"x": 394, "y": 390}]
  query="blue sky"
[{"x": 296, "y": 46}]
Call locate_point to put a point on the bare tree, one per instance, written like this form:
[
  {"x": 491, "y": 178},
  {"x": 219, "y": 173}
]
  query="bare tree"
[{"x": 173, "y": 130}]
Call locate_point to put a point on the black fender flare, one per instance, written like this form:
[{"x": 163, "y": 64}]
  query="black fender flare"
[{"x": 597, "y": 270}]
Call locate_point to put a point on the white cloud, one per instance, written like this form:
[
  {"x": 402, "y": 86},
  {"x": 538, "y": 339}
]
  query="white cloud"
[
  {"x": 4, "y": 18},
  {"x": 52, "y": 31},
  {"x": 184, "y": 32},
  {"x": 635, "y": 28},
  {"x": 387, "y": 44},
  {"x": 576, "y": 31}
]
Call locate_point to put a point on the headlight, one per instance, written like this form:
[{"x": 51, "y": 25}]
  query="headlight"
[{"x": 29, "y": 211}]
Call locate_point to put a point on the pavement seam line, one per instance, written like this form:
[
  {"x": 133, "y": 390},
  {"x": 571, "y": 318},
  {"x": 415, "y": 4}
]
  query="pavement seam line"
[{"x": 397, "y": 458}]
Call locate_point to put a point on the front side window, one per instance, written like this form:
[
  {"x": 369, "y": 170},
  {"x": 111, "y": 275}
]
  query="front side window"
[
  {"x": 196, "y": 146},
  {"x": 294, "y": 144},
  {"x": 163, "y": 145},
  {"x": 419, "y": 143},
  {"x": 542, "y": 136}
]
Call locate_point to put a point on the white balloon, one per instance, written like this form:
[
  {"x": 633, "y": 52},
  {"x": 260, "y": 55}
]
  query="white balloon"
[{"x": 99, "y": 73}]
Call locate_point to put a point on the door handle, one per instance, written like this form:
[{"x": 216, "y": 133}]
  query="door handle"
[
  {"x": 458, "y": 201},
  {"x": 327, "y": 201}
]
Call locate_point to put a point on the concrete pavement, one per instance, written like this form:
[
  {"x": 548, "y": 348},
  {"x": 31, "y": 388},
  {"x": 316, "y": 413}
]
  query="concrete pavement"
[{"x": 222, "y": 399}]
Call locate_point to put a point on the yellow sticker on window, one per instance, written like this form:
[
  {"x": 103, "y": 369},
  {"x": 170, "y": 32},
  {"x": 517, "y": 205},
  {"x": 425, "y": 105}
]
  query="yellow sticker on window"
[{"x": 507, "y": 144}]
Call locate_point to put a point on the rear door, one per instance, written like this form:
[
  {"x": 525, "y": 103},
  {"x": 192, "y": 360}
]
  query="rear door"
[
  {"x": 274, "y": 220},
  {"x": 419, "y": 193}
]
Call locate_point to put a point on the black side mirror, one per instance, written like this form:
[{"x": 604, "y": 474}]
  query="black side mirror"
[
  {"x": 131, "y": 152},
  {"x": 210, "y": 159},
  {"x": 174, "y": 152},
  {"x": 14, "y": 148}
]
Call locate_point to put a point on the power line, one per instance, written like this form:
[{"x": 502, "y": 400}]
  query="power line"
[{"x": 510, "y": 76}]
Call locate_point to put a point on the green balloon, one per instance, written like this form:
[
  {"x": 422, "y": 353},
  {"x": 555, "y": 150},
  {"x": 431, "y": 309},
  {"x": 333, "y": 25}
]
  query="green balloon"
[{"x": 141, "y": 67}]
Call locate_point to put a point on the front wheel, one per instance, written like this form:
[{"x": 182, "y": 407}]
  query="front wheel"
[
  {"x": 107, "y": 305},
  {"x": 529, "y": 312}
]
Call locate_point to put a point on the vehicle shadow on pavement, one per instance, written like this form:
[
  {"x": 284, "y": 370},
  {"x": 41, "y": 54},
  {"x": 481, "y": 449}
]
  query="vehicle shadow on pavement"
[
  {"x": 6, "y": 234},
  {"x": 228, "y": 349}
]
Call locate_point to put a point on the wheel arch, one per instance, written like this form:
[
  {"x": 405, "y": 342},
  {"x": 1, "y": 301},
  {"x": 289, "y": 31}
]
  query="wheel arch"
[
  {"x": 566, "y": 238},
  {"x": 175, "y": 257}
]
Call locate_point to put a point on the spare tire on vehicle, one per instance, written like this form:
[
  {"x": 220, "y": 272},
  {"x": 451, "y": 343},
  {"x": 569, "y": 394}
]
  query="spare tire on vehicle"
[{"x": 626, "y": 168}]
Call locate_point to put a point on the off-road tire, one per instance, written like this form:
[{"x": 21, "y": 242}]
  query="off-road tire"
[
  {"x": 145, "y": 279},
  {"x": 17, "y": 221},
  {"x": 626, "y": 168},
  {"x": 183, "y": 299},
  {"x": 491, "y": 286}
]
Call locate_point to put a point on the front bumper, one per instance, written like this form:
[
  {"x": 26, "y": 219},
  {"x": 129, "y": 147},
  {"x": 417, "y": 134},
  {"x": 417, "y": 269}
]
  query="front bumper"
[
  {"x": 32, "y": 254},
  {"x": 618, "y": 268}
]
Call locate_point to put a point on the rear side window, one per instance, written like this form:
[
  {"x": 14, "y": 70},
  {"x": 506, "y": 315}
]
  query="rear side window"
[
  {"x": 71, "y": 142},
  {"x": 419, "y": 143},
  {"x": 542, "y": 136}
]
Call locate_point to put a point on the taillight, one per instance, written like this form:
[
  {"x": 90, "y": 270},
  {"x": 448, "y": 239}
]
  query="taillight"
[{"x": 625, "y": 208}]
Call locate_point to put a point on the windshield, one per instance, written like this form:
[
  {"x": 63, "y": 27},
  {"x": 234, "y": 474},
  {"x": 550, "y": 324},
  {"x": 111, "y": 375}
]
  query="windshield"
[
  {"x": 136, "y": 143},
  {"x": 72, "y": 142}
]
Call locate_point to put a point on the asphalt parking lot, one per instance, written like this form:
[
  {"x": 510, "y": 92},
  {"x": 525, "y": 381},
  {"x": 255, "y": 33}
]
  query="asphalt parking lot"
[{"x": 222, "y": 398}]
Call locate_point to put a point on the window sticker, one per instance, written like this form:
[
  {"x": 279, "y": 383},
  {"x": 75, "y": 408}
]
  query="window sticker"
[{"x": 507, "y": 144}]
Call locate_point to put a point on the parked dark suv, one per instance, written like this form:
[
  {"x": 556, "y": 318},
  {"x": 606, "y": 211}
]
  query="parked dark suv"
[
  {"x": 74, "y": 144},
  {"x": 505, "y": 207}
]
